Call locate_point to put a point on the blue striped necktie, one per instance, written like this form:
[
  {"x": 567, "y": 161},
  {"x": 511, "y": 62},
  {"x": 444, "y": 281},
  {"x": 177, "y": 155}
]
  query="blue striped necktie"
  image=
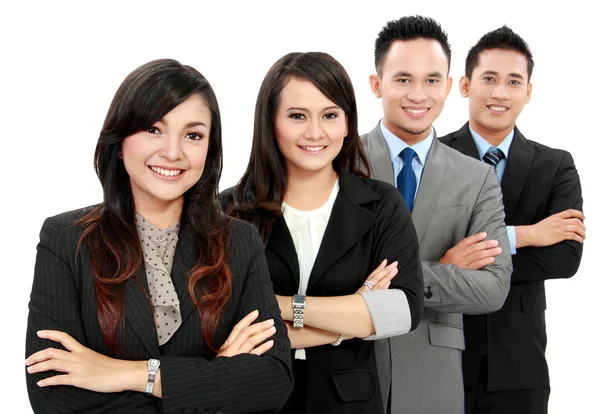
[
  {"x": 407, "y": 180},
  {"x": 493, "y": 157}
]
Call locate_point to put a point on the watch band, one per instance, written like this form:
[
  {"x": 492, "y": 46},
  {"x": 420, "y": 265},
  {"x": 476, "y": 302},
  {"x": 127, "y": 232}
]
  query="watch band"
[
  {"x": 153, "y": 365},
  {"x": 339, "y": 340},
  {"x": 298, "y": 305}
]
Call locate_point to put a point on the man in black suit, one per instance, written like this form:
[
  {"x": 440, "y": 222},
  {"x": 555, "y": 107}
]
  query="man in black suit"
[{"x": 504, "y": 366}]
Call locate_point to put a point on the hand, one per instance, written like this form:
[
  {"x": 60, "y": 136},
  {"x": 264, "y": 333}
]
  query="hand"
[
  {"x": 473, "y": 252},
  {"x": 82, "y": 367},
  {"x": 381, "y": 277},
  {"x": 566, "y": 225},
  {"x": 246, "y": 338}
]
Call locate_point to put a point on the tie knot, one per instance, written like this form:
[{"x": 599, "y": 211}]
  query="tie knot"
[
  {"x": 493, "y": 156},
  {"x": 407, "y": 155}
]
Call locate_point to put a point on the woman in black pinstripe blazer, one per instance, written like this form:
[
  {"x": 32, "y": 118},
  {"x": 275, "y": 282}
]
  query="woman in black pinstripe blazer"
[{"x": 95, "y": 327}]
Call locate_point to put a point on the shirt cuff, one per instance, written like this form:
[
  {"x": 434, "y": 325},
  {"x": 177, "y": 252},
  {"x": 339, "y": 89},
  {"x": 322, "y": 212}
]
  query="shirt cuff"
[
  {"x": 389, "y": 312},
  {"x": 512, "y": 239}
]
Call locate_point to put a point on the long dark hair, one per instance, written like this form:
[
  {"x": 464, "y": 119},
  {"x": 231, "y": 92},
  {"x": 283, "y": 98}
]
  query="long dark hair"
[
  {"x": 145, "y": 97},
  {"x": 260, "y": 192}
]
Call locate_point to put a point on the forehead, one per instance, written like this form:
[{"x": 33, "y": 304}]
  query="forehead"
[
  {"x": 304, "y": 93},
  {"x": 193, "y": 109},
  {"x": 415, "y": 56},
  {"x": 501, "y": 61}
]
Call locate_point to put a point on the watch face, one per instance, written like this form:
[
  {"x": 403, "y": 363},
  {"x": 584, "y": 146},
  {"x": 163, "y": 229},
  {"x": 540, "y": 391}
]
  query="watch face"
[{"x": 153, "y": 363}]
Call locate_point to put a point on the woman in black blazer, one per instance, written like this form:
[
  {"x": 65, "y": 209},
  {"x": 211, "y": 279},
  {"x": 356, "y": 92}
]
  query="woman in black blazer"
[
  {"x": 124, "y": 321},
  {"x": 326, "y": 227}
]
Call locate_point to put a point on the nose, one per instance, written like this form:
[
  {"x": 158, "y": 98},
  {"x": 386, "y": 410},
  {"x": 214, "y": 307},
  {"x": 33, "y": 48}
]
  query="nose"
[
  {"x": 500, "y": 92},
  {"x": 417, "y": 93},
  {"x": 314, "y": 129},
  {"x": 171, "y": 148}
]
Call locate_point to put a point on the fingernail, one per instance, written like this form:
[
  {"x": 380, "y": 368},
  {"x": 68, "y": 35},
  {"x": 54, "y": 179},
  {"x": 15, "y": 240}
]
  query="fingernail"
[
  {"x": 273, "y": 329},
  {"x": 383, "y": 263},
  {"x": 255, "y": 312},
  {"x": 484, "y": 234},
  {"x": 271, "y": 321}
]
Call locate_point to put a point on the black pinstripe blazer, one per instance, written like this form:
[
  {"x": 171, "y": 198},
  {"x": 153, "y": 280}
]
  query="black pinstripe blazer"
[{"x": 193, "y": 381}]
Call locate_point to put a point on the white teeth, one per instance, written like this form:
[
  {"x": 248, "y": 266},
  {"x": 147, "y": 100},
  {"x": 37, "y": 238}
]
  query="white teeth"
[
  {"x": 498, "y": 108},
  {"x": 313, "y": 149},
  {"x": 415, "y": 111},
  {"x": 166, "y": 173}
]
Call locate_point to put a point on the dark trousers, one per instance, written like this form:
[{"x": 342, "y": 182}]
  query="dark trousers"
[{"x": 526, "y": 401}]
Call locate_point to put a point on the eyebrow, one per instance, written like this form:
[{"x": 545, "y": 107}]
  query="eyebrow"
[
  {"x": 408, "y": 75},
  {"x": 329, "y": 108},
  {"x": 512, "y": 75},
  {"x": 188, "y": 125}
]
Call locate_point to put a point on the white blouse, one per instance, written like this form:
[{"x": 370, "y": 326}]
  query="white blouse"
[{"x": 307, "y": 229}]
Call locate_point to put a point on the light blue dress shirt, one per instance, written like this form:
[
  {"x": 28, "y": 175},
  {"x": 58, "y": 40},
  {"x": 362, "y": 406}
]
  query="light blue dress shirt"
[
  {"x": 483, "y": 147},
  {"x": 396, "y": 145}
]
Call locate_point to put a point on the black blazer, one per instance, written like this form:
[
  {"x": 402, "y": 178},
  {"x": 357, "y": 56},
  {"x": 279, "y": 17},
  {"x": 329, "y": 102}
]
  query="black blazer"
[
  {"x": 369, "y": 222},
  {"x": 193, "y": 381},
  {"x": 538, "y": 181}
]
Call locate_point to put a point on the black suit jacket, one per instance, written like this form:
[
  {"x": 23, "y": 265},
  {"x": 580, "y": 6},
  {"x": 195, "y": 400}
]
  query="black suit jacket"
[
  {"x": 63, "y": 298},
  {"x": 538, "y": 181},
  {"x": 369, "y": 222}
]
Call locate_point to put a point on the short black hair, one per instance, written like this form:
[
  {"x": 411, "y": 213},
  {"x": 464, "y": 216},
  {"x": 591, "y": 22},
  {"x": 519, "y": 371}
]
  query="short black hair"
[
  {"x": 501, "y": 38},
  {"x": 409, "y": 28}
]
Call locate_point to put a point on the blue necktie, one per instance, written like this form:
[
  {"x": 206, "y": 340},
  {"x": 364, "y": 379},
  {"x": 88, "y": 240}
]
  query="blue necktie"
[
  {"x": 407, "y": 180},
  {"x": 493, "y": 157}
]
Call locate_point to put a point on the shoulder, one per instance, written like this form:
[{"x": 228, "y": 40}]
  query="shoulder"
[
  {"x": 67, "y": 221},
  {"x": 226, "y": 198},
  {"x": 549, "y": 154},
  {"x": 446, "y": 139}
]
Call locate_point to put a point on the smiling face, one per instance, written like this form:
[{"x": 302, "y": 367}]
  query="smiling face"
[
  {"x": 309, "y": 128},
  {"x": 167, "y": 159},
  {"x": 498, "y": 90},
  {"x": 413, "y": 85}
]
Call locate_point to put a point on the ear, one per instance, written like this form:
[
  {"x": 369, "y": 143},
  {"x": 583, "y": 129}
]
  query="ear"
[
  {"x": 449, "y": 86},
  {"x": 464, "y": 86},
  {"x": 529, "y": 87},
  {"x": 346, "y": 130},
  {"x": 375, "y": 82}
]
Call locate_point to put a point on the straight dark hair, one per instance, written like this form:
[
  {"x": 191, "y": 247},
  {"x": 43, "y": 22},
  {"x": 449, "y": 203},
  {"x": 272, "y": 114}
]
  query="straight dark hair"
[
  {"x": 145, "y": 97},
  {"x": 501, "y": 38},
  {"x": 259, "y": 194}
]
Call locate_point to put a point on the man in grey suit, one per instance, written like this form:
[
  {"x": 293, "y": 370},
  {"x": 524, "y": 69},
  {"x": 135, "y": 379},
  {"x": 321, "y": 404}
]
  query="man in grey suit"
[{"x": 457, "y": 210}]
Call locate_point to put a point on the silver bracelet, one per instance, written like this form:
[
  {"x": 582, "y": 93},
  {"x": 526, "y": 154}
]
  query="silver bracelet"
[
  {"x": 339, "y": 340},
  {"x": 153, "y": 365}
]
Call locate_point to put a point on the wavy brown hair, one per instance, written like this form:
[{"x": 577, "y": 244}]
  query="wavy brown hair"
[
  {"x": 145, "y": 97},
  {"x": 260, "y": 192}
]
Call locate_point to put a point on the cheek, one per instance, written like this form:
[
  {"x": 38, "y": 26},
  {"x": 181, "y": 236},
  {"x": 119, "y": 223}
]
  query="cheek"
[{"x": 197, "y": 156}]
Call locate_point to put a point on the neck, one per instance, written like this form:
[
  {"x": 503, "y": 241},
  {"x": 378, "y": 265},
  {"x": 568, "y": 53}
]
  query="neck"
[
  {"x": 494, "y": 138},
  {"x": 309, "y": 190},
  {"x": 160, "y": 213},
  {"x": 410, "y": 138}
]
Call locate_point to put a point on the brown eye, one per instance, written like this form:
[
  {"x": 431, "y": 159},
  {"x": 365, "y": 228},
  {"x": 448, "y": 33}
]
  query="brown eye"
[{"x": 152, "y": 130}]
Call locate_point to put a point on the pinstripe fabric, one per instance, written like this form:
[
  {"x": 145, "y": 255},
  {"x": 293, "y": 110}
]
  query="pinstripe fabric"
[{"x": 193, "y": 381}]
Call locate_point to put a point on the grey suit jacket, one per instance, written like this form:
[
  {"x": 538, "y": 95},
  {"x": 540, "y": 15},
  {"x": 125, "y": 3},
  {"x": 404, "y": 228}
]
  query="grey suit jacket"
[{"x": 458, "y": 196}]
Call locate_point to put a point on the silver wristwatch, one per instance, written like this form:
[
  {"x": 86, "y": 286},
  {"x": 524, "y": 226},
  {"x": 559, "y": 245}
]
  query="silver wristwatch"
[
  {"x": 338, "y": 341},
  {"x": 153, "y": 365},
  {"x": 298, "y": 305}
]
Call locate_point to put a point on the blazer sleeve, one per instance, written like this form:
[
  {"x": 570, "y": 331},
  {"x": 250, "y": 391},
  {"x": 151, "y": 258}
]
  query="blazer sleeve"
[
  {"x": 243, "y": 383},
  {"x": 560, "y": 260},
  {"x": 396, "y": 239},
  {"x": 55, "y": 304},
  {"x": 474, "y": 291}
]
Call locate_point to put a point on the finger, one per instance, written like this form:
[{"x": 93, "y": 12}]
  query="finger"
[
  {"x": 255, "y": 340},
  {"x": 61, "y": 337},
  {"x": 56, "y": 380},
  {"x": 52, "y": 365},
  {"x": 263, "y": 348},
  {"x": 478, "y": 264},
  {"x": 386, "y": 280},
  {"x": 467, "y": 241},
  {"x": 482, "y": 254},
  {"x": 250, "y": 331},
  {"x": 482, "y": 245},
  {"x": 46, "y": 354},
  {"x": 242, "y": 324},
  {"x": 570, "y": 213},
  {"x": 575, "y": 237},
  {"x": 381, "y": 272}
]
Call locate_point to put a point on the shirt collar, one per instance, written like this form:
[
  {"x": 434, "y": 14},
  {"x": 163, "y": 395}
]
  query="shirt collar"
[
  {"x": 396, "y": 145},
  {"x": 483, "y": 146}
]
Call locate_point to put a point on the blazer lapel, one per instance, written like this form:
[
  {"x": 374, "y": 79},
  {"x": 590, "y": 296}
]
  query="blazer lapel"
[
  {"x": 429, "y": 187},
  {"x": 379, "y": 157},
  {"x": 463, "y": 142},
  {"x": 138, "y": 312},
  {"x": 184, "y": 261},
  {"x": 347, "y": 224},
  {"x": 519, "y": 160},
  {"x": 280, "y": 243}
]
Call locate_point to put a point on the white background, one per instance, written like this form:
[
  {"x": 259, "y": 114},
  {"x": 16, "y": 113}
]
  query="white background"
[{"x": 61, "y": 63}]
